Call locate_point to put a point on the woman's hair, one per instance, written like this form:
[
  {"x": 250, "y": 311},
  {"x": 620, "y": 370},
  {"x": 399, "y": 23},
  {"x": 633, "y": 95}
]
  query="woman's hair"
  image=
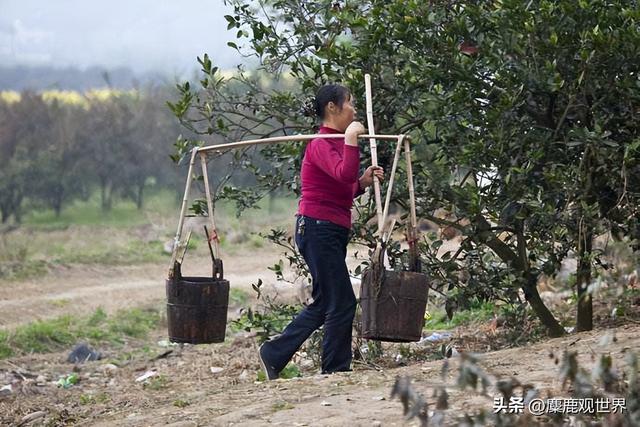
[{"x": 317, "y": 106}]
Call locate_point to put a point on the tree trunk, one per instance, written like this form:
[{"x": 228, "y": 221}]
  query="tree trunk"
[
  {"x": 57, "y": 202},
  {"x": 520, "y": 263},
  {"x": 17, "y": 215},
  {"x": 583, "y": 279},
  {"x": 105, "y": 194},
  {"x": 57, "y": 208},
  {"x": 584, "y": 321},
  {"x": 272, "y": 199},
  {"x": 17, "y": 211},
  {"x": 532, "y": 296},
  {"x": 139, "y": 196}
]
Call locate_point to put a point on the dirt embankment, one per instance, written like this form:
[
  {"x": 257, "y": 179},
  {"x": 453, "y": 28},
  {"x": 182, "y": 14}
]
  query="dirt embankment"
[{"x": 186, "y": 391}]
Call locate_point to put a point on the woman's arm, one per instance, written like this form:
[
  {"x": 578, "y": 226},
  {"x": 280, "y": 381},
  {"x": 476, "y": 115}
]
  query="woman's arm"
[{"x": 341, "y": 168}]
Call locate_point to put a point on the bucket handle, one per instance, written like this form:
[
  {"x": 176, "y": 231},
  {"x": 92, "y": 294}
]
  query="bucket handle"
[
  {"x": 216, "y": 262},
  {"x": 218, "y": 271},
  {"x": 384, "y": 235},
  {"x": 412, "y": 231},
  {"x": 183, "y": 211},
  {"x": 217, "y": 266}
]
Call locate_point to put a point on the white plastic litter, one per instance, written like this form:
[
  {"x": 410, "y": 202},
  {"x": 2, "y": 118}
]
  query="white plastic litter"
[
  {"x": 145, "y": 376},
  {"x": 436, "y": 337}
]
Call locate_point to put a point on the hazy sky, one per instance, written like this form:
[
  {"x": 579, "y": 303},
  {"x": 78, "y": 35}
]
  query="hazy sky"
[{"x": 146, "y": 35}]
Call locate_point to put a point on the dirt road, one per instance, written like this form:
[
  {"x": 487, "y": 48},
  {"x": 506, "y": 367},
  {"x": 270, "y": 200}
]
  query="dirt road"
[{"x": 80, "y": 289}]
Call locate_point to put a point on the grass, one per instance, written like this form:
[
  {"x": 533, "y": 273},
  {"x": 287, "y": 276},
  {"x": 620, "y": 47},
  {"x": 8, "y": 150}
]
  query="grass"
[
  {"x": 289, "y": 371},
  {"x": 44, "y": 336},
  {"x": 181, "y": 403},
  {"x": 238, "y": 297},
  {"x": 159, "y": 382},
  {"x": 123, "y": 214},
  {"x": 281, "y": 406},
  {"x": 479, "y": 312},
  {"x": 91, "y": 399},
  {"x": 163, "y": 204},
  {"x": 84, "y": 234}
]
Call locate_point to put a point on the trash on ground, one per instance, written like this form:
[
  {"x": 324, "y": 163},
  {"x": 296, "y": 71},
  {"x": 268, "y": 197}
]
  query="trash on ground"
[
  {"x": 145, "y": 376},
  {"x": 68, "y": 381},
  {"x": 6, "y": 390},
  {"x": 435, "y": 337},
  {"x": 82, "y": 353}
]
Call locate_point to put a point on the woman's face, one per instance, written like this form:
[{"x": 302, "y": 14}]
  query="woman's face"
[{"x": 343, "y": 115}]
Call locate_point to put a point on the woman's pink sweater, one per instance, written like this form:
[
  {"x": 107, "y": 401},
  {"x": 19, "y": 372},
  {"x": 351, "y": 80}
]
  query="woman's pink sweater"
[{"x": 329, "y": 179}]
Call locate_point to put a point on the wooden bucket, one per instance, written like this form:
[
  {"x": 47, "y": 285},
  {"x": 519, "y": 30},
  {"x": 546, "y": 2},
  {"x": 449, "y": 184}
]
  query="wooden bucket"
[
  {"x": 197, "y": 308},
  {"x": 393, "y": 306}
]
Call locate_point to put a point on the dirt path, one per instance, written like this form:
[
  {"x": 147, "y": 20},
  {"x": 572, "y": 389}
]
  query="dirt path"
[
  {"x": 191, "y": 395},
  {"x": 80, "y": 289}
]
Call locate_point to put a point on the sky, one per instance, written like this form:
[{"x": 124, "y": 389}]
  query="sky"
[{"x": 146, "y": 35}]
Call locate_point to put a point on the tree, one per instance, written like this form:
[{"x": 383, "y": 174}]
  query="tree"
[
  {"x": 152, "y": 129},
  {"x": 9, "y": 190},
  {"x": 519, "y": 113},
  {"x": 58, "y": 168},
  {"x": 23, "y": 132},
  {"x": 105, "y": 137}
]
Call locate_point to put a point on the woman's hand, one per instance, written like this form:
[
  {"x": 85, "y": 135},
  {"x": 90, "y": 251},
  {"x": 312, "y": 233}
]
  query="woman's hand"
[
  {"x": 367, "y": 177},
  {"x": 352, "y": 132}
]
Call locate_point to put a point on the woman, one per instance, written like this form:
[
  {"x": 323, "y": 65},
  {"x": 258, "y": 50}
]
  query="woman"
[{"x": 330, "y": 182}]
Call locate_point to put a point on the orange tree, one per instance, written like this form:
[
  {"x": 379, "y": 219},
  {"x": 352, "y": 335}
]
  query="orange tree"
[{"x": 524, "y": 117}]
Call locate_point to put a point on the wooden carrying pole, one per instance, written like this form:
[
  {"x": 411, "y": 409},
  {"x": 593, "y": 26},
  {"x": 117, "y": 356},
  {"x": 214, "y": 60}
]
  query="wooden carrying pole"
[
  {"x": 387, "y": 233},
  {"x": 289, "y": 138},
  {"x": 374, "y": 152},
  {"x": 235, "y": 145}
]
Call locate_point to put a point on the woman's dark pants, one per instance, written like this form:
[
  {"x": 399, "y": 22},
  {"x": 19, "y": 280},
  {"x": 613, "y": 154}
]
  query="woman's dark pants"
[{"x": 324, "y": 248}]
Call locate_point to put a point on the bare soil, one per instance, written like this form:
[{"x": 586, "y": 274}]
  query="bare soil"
[{"x": 186, "y": 391}]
